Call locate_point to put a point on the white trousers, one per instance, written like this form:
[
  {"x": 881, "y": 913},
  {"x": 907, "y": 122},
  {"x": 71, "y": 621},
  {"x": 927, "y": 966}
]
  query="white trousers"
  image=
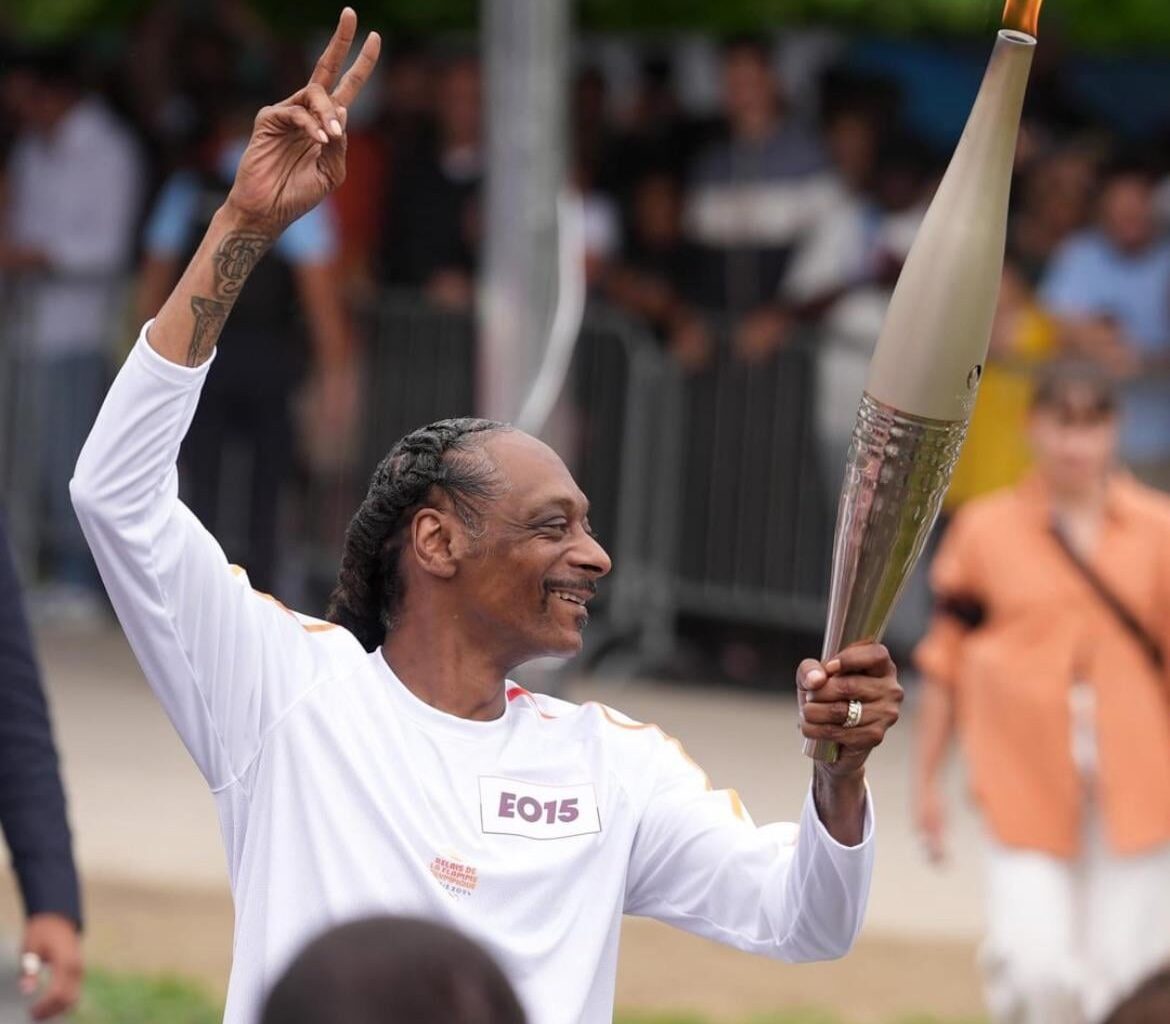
[{"x": 1068, "y": 939}]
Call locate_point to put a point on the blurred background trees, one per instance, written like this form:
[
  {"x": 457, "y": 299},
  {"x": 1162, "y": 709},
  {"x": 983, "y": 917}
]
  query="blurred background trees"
[{"x": 1103, "y": 24}]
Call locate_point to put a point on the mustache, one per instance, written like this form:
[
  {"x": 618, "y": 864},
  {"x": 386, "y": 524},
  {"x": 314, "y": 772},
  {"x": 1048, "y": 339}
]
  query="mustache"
[{"x": 583, "y": 585}]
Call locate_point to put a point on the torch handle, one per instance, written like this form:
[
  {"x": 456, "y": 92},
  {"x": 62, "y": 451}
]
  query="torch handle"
[
  {"x": 825, "y": 751},
  {"x": 896, "y": 474}
]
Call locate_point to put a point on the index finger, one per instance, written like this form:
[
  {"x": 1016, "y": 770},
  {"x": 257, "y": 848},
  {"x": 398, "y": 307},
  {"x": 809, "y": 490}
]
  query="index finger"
[
  {"x": 332, "y": 58},
  {"x": 357, "y": 76},
  {"x": 841, "y": 689},
  {"x": 861, "y": 659}
]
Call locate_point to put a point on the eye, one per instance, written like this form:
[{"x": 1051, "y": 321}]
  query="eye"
[{"x": 555, "y": 526}]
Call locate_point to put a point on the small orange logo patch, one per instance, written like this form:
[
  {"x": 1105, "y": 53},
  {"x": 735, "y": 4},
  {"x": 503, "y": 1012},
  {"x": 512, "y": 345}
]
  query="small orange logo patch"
[{"x": 457, "y": 878}]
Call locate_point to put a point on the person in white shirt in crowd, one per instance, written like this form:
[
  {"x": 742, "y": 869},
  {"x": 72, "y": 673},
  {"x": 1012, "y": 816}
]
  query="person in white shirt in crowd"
[
  {"x": 754, "y": 195},
  {"x": 66, "y": 240},
  {"x": 380, "y": 761},
  {"x": 393, "y": 970},
  {"x": 843, "y": 274},
  {"x": 841, "y": 278}
]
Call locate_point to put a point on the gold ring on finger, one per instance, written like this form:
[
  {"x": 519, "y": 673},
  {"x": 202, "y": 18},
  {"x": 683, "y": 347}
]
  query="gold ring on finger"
[{"x": 853, "y": 715}]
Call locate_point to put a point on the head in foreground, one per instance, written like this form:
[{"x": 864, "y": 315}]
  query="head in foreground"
[
  {"x": 392, "y": 970},
  {"x": 1073, "y": 427},
  {"x": 1149, "y": 1004},
  {"x": 471, "y": 527}
]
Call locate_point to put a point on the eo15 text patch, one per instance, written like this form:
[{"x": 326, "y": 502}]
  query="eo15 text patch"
[{"x": 514, "y": 808}]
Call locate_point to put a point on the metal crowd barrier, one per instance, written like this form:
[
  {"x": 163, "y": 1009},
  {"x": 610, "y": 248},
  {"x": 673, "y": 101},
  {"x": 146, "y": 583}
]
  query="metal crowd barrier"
[
  {"x": 709, "y": 491},
  {"x": 753, "y": 492}
]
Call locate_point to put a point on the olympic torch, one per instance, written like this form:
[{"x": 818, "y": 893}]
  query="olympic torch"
[{"x": 928, "y": 361}]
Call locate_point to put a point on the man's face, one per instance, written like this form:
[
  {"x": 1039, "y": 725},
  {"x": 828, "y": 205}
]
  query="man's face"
[
  {"x": 656, "y": 211},
  {"x": 852, "y": 141},
  {"x": 1058, "y": 193},
  {"x": 1074, "y": 442},
  {"x": 749, "y": 90},
  {"x": 527, "y": 580},
  {"x": 408, "y": 85},
  {"x": 1127, "y": 213}
]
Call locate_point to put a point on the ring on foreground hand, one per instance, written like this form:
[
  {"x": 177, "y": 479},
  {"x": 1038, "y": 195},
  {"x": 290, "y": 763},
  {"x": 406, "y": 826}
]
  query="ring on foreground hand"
[
  {"x": 30, "y": 964},
  {"x": 853, "y": 717}
]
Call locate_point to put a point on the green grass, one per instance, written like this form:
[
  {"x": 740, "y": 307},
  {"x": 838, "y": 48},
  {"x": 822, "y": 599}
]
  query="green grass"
[
  {"x": 809, "y": 1016},
  {"x": 134, "y": 999}
]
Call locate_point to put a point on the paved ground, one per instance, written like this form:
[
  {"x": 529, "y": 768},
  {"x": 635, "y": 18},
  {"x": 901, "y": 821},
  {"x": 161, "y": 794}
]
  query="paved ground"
[{"x": 149, "y": 848}]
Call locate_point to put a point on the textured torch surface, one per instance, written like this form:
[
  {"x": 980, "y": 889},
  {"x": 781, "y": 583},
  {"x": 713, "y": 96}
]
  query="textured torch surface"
[{"x": 896, "y": 474}]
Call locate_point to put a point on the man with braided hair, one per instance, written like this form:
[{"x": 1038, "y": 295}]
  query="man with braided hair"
[{"x": 380, "y": 761}]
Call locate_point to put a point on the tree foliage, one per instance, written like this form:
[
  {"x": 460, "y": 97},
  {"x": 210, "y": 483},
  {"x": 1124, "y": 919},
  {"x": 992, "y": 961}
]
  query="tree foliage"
[{"x": 1095, "y": 24}]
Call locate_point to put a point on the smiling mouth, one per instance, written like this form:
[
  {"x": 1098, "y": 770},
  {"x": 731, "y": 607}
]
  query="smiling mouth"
[
  {"x": 577, "y": 592},
  {"x": 572, "y": 598}
]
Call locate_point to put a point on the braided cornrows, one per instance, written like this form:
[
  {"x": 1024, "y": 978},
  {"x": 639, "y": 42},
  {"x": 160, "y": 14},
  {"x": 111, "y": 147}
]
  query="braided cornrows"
[{"x": 369, "y": 585}]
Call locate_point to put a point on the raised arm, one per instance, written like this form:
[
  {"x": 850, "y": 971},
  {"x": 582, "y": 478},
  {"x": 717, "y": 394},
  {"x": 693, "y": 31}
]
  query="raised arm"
[
  {"x": 295, "y": 158},
  {"x": 226, "y": 662}
]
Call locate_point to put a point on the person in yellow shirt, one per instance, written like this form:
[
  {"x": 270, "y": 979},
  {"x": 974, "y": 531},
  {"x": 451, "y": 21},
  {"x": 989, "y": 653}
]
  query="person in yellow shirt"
[{"x": 996, "y": 452}]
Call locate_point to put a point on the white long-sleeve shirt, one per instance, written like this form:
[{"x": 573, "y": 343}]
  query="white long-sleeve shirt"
[{"x": 340, "y": 793}]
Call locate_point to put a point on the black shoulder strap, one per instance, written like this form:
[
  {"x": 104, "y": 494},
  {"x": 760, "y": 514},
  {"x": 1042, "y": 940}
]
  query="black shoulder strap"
[{"x": 1130, "y": 621}]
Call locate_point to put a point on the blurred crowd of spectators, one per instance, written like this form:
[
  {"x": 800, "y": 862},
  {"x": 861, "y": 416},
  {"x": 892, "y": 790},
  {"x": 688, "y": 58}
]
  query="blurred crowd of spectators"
[{"x": 782, "y": 215}]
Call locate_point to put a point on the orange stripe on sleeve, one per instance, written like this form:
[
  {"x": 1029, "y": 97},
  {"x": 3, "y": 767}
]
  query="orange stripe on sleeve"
[
  {"x": 312, "y": 627},
  {"x": 666, "y": 736},
  {"x": 737, "y": 806}
]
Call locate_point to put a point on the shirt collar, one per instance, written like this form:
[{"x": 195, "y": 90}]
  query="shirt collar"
[{"x": 431, "y": 717}]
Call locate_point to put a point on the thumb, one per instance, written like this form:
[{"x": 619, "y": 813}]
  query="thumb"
[{"x": 811, "y": 675}]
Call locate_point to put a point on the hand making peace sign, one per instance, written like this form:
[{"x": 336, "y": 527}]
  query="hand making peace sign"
[{"x": 296, "y": 155}]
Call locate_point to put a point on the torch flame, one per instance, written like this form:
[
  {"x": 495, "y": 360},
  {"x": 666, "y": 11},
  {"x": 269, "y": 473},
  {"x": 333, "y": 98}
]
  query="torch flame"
[{"x": 1023, "y": 15}]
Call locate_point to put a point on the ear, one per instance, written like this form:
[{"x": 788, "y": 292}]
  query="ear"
[{"x": 435, "y": 539}]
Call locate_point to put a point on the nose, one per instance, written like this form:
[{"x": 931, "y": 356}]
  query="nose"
[{"x": 590, "y": 557}]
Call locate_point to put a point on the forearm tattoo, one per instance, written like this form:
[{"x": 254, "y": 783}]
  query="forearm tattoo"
[
  {"x": 209, "y": 317},
  {"x": 233, "y": 261}
]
